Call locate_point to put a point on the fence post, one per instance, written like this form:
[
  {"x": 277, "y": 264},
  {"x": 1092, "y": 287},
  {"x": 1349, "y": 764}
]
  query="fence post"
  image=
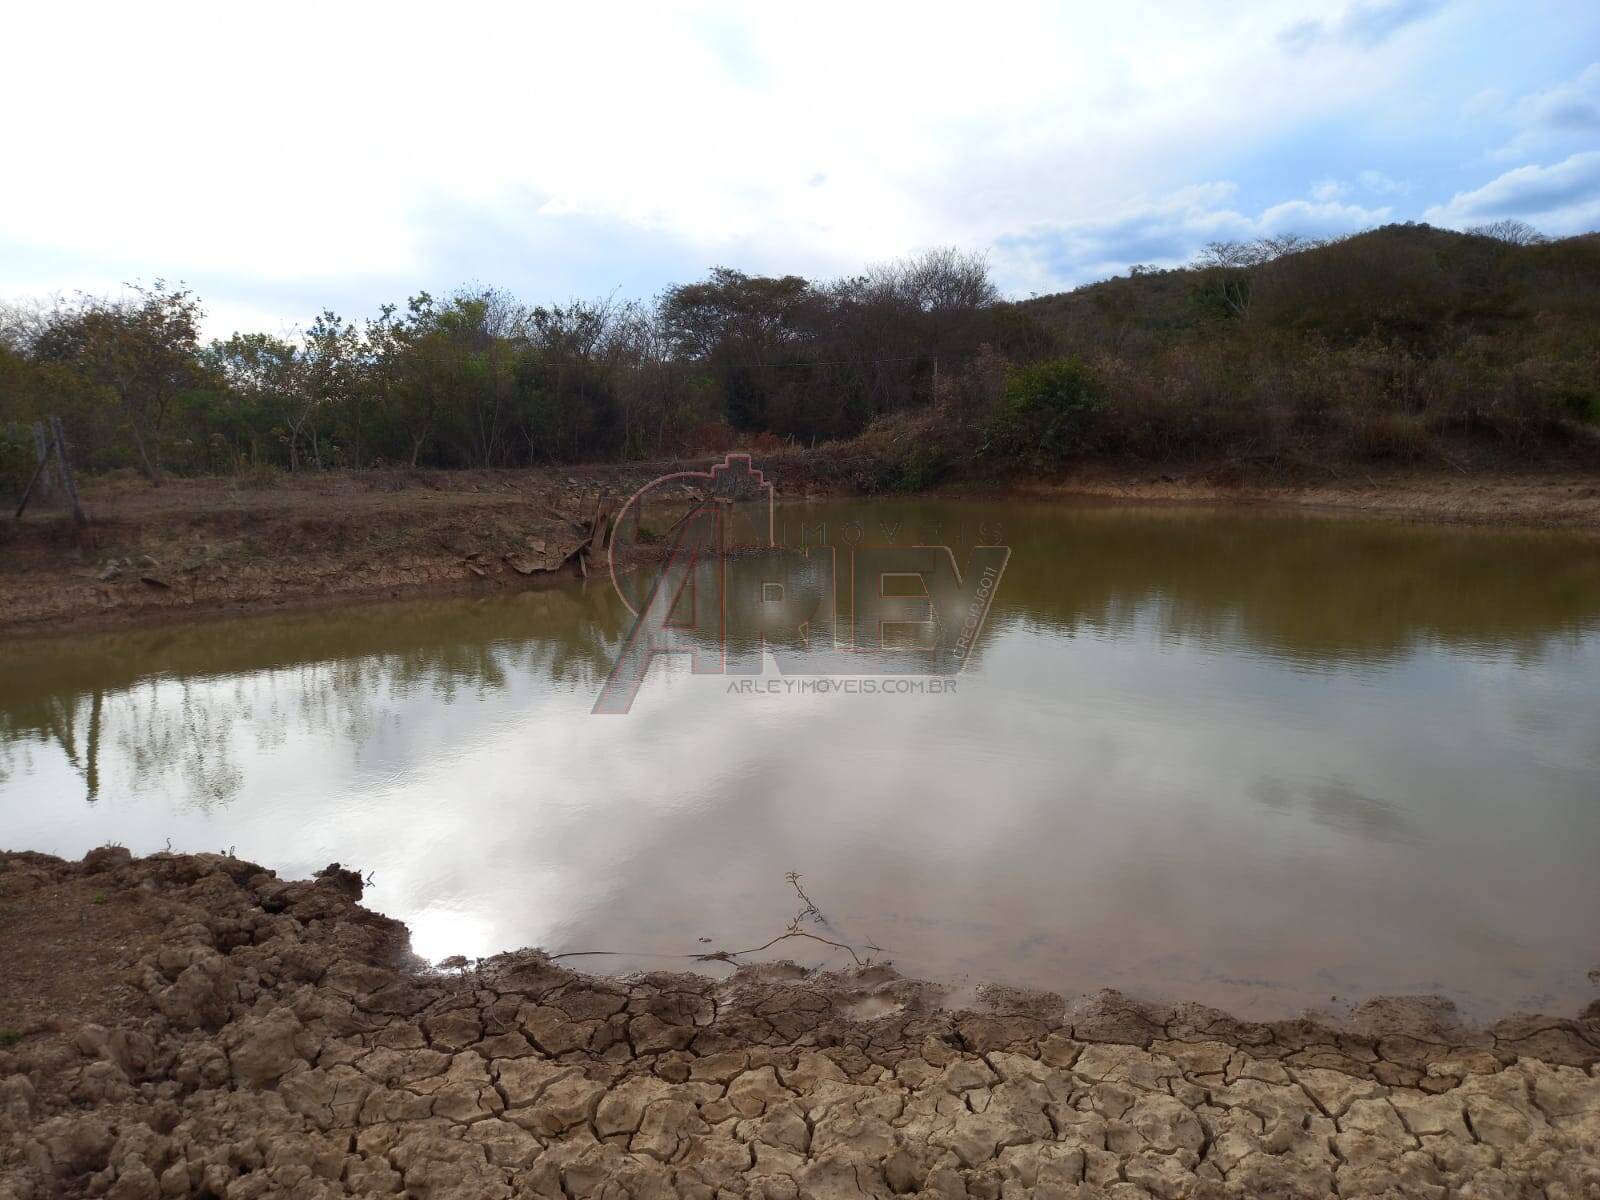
[
  {"x": 41, "y": 453},
  {"x": 65, "y": 468},
  {"x": 38, "y": 469}
]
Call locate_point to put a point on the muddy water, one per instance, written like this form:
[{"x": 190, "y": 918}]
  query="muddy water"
[{"x": 1266, "y": 761}]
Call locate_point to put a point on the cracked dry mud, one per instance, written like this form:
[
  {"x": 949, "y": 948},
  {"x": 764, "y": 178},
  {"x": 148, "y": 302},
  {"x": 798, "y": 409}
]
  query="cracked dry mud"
[{"x": 276, "y": 1039}]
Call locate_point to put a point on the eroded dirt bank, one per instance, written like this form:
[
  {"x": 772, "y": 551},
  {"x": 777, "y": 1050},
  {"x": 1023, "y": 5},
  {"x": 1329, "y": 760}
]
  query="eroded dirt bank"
[
  {"x": 198, "y": 546},
  {"x": 194, "y": 1026},
  {"x": 195, "y": 546}
]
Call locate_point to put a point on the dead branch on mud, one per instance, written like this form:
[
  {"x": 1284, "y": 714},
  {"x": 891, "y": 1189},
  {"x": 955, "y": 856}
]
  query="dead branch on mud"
[
  {"x": 808, "y": 912},
  {"x": 810, "y": 909}
]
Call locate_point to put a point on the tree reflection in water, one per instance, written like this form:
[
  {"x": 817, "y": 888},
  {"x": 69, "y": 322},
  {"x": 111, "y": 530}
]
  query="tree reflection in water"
[{"x": 173, "y": 701}]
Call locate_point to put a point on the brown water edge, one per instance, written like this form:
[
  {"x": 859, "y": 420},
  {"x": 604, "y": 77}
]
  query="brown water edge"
[
  {"x": 1533, "y": 498},
  {"x": 191, "y": 1025},
  {"x": 1383, "y": 901},
  {"x": 996, "y": 943},
  {"x": 217, "y": 548}
]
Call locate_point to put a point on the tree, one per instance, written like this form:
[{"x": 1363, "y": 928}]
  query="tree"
[
  {"x": 327, "y": 379},
  {"x": 746, "y": 329},
  {"x": 567, "y": 381},
  {"x": 1512, "y": 232},
  {"x": 385, "y": 346},
  {"x": 483, "y": 331},
  {"x": 1227, "y": 276},
  {"x": 943, "y": 279},
  {"x": 262, "y": 374},
  {"x": 144, "y": 351},
  {"x": 419, "y": 382}
]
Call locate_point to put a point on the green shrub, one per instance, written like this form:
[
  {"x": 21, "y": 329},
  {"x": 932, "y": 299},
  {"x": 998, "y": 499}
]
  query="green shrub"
[
  {"x": 916, "y": 469},
  {"x": 1584, "y": 404},
  {"x": 1049, "y": 411},
  {"x": 16, "y": 458}
]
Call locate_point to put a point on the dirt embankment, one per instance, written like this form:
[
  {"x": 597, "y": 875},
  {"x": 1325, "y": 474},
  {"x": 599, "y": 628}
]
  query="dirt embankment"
[
  {"x": 193, "y": 1026},
  {"x": 195, "y": 546},
  {"x": 217, "y": 545}
]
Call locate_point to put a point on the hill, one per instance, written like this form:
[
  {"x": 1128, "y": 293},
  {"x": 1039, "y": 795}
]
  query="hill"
[
  {"x": 1404, "y": 343},
  {"x": 1428, "y": 287}
]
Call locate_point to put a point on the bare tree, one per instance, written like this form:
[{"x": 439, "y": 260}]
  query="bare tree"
[
  {"x": 938, "y": 280},
  {"x": 1230, "y": 267},
  {"x": 1510, "y": 231}
]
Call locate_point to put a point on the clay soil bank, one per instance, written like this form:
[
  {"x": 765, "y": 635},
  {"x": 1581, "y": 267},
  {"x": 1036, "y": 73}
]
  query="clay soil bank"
[
  {"x": 191, "y": 1025},
  {"x": 197, "y": 546}
]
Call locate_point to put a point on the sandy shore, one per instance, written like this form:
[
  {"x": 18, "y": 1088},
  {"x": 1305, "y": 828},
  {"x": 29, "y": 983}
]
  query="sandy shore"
[
  {"x": 194, "y": 1026},
  {"x": 206, "y": 546}
]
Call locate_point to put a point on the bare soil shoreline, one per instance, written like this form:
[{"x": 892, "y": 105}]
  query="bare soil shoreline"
[
  {"x": 217, "y": 546},
  {"x": 191, "y": 1025},
  {"x": 1534, "y": 500}
]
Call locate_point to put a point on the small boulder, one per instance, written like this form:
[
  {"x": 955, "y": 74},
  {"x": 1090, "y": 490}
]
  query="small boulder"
[
  {"x": 345, "y": 880},
  {"x": 261, "y": 1050}
]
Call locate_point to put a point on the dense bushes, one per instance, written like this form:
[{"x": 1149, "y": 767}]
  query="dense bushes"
[
  {"x": 480, "y": 379},
  {"x": 1378, "y": 347},
  {"x": 17, "y": 458},
  {"x": 1047, "y": 413}
]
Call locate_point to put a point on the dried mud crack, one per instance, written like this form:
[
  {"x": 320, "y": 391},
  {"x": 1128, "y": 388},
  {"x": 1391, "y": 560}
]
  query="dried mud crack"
[{"x": 194, "y": 1026}]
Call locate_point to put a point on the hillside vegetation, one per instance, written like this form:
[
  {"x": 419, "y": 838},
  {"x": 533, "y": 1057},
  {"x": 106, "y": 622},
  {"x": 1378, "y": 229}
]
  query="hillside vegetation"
[{"x": 1403, "y": 344}]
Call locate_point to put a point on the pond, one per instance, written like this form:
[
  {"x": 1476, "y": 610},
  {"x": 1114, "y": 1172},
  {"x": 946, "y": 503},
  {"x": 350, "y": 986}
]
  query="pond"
[{"x": 1260, "y": 759}]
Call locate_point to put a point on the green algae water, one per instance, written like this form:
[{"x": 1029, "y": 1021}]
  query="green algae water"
[{"x": 1258, "y": 759}]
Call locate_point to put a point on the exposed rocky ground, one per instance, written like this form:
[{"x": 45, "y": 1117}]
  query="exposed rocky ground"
[{"x": 242, "y": 1036}]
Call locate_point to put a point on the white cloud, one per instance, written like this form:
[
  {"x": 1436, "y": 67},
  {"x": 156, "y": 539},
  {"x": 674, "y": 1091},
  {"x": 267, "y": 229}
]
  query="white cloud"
[
  {"x": 1560, "y": 199},
  {"x": 1485, "y": 103},
  {"x": 1380, "y": 184},
  {"x": 1364, "y": 23},
  {"x": 1567, "y": 113},
  {"x": 1167, "y": 232},
  {"x": 347, "y": 154},
  {"x": 1375, "y": 183},
  {"x": 1314, "y": 218},
  {"x": 1570, "y": 106}
]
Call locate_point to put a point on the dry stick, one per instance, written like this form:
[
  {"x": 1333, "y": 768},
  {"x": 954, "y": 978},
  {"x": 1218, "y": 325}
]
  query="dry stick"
[
  {"x": 815, "y": 913},
  {"x": 41, "y": 450},
  {"x": 28, "y": 491},
  {"x": 730, "y": 955},
  {"x": 556, "y": 512},
  {"x": 810, "y": 909},
  {"x": 793, "y": 931},
  {"x": 597, "y": 532},
  {"x": 671, "y": 529},
  {"x": 719, "y": 955}
]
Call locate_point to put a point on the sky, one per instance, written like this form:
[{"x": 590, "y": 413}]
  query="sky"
[{"x": 282, "y": 158}]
